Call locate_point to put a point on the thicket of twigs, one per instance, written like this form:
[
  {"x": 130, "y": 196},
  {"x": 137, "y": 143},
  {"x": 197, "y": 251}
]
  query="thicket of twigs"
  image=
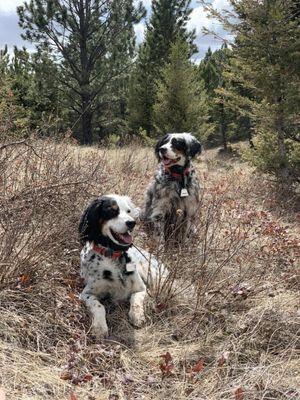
[{"x": 223, "y": 326}]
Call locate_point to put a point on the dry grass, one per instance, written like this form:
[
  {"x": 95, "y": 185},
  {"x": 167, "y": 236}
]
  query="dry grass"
[{"x": 239, "y": 320}]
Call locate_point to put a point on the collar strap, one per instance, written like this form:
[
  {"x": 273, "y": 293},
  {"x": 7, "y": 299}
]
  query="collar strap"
[
  {"x": 105, "y": 251},
  {"x": 174, "y": 174}
]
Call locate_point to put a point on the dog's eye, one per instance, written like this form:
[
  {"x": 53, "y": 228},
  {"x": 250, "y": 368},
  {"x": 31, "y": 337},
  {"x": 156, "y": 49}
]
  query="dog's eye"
[{"x": 129, "y": 211}]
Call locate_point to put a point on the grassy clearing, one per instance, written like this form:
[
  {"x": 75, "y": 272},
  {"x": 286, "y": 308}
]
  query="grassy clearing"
[{"x": 234, "y": 334}]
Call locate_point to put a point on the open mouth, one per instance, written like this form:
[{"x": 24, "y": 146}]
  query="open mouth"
[
  {"x": 170, "y": 161},
  {"x": 122, "y": 238}
]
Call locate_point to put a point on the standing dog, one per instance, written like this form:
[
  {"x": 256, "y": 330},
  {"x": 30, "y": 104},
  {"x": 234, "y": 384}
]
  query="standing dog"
[
  {"x": 109, "y": 265},
  {"x": 172, "y": 200}
]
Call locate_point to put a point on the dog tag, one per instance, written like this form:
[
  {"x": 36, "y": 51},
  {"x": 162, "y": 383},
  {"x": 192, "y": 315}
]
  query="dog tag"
[
  {"x": 130, "y": 267},
  {"x": 184, "y": 193}
]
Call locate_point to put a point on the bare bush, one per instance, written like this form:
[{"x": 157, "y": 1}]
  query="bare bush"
[{"x": 223, "y": 321}]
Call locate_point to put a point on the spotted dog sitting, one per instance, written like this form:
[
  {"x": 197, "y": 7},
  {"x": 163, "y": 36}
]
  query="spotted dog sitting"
[
  {"x": 172, "y": 200},
  {"x": 109, "y": 265}
]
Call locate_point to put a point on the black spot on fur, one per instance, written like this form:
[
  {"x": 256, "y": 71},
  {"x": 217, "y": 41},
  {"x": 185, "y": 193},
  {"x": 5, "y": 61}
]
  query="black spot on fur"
[
  {"x": 180, "y": 144},
  {"x": 92, "y": 257},
  {"x": 107, "y": 275}
]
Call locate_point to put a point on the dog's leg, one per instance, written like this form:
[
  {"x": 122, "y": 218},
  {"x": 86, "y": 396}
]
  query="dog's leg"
[
  {"x": 136, "y": 312},
  {"x": 99, "y": 325}
]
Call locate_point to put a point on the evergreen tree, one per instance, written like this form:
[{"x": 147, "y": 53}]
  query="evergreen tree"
[
  {"x": 265, "y": 65},
  {"x": 111, "y": 108},
  {"x": 180, "y": 102},
  {"x": 81, "y": 33},
  {"x": 45, "y": 94},
  {"x": 14, "y": 118},
  {"x": 167, "y": 22}
]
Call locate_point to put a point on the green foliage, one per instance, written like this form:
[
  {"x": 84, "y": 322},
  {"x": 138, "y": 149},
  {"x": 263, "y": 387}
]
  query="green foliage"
[
  {"x": 226, "y": 123},
  {"x": 264, "y": 72},
  {"x": 94, "y": 40},
  {"x": 180, "y": 100},
  {"x": 168, "y": 21},
  {"x": 14, "y": 119}
]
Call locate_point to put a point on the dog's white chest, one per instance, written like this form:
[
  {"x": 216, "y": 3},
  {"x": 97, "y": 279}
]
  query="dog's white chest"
[{"x": 109, "y": 278}]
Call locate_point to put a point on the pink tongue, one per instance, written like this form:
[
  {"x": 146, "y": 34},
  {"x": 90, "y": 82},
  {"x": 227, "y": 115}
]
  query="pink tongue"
[
  {"x": 167, "y": 161},
  {"x": 126, "y": 238}
]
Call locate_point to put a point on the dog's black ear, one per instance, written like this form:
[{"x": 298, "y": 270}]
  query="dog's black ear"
[
  {"x": 89, "y": 223},
  {"x": 100, "y": 210},
  {"x": 159, "y": 144},
  {"x": 194, "y": 148}
]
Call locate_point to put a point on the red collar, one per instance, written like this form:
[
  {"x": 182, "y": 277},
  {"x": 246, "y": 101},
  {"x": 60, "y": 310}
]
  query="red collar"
[
  {"x": 174, "y": 174},
  {"x": 105, "y": 251}
]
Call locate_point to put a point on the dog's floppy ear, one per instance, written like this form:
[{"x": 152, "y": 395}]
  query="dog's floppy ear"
[
  {"x": 89, "y": 222},
  {"x": 159, "y": 144},
  {"x": 194, "y": 147}
]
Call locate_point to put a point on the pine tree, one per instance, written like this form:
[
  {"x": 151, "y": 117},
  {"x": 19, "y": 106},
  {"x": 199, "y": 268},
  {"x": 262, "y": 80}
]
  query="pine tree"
[
  {"x": 14, "y": 118},
  {"x": 265, "y": 65},
  {"x": 180, "y": 104},
  {"x": 81, "y": 33},
  {"x": 168, "y": 21},
  {"x": 45, "y": 94},
  {"x": 112, "y": 108}
]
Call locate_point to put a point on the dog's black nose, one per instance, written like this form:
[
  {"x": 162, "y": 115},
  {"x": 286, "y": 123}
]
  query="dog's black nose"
[
  {"x": 130, "y": 224},
  {"x": 163, "y": 150}
]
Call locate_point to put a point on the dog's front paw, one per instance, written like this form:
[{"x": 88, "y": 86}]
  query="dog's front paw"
[
  {"x": 99, "y": 329},
  {"x": 137, "y": 318}
]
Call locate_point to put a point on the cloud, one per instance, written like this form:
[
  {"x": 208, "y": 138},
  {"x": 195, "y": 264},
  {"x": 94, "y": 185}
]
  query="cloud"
[
  {"x": 200, "y": 19},
  {"x": 139, "y": 30},
  {"x": 9, "y": 6},
  {"x": 10, "y": 31},
  {"x": 146, "y": 3}
]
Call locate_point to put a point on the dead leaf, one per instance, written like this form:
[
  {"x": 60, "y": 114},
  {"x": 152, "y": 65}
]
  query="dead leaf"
[
  {"x": 167, "y": 365},
  {"x": 24, "y": 278},
  {"x": 167, "y": 357},
  {"x": 223, "y": 359},
  {"x": 197, "y": 367},
  {"x": 66, "y": 376},
  {"x": 73, "y": 396},
  {"x": 239, "y": 394},
  {"x": 160, "y": 307},
  {"x": 87, "y": 378}
]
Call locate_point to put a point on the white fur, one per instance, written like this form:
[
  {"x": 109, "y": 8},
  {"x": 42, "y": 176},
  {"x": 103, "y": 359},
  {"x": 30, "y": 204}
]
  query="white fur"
[
  {"x": 168, "y": 146},
  {"x": 128, "y": 212},
  {"x": 121, "y": 285}
]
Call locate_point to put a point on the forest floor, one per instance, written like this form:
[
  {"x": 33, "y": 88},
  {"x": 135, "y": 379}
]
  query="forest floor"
[{"x": 231, "y": 335}]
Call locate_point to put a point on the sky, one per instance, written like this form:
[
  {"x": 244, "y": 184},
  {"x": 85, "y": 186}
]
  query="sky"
[{"x": 10, "y": 32}]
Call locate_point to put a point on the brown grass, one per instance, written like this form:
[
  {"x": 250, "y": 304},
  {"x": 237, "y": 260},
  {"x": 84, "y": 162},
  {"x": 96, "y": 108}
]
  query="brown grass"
[{"x": 233, "y": 306}]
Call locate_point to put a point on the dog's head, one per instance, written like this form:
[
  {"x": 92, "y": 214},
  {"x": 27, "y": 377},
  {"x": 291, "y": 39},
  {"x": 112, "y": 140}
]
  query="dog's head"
[
  {"x": 177, "y": 149},
  {"x": 109, "y": 221}
]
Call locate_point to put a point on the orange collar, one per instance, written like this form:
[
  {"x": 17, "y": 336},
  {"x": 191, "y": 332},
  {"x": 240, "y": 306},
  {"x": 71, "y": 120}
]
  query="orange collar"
[{"x": 105, "y": 251}]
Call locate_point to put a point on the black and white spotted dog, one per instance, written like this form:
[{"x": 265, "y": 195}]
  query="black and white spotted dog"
[
  {"x": 109, "y": 265},
  {"x": 172, "y": 199}
]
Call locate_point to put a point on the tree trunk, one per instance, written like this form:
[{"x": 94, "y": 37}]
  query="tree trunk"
[
  {"x": 248, "y": 127},
  {"x": 223, "y": 129},
  {"x": 86, "y": 123},
  {"x": 86, "y": 113},
  {"x": 284, "y": 172}
]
